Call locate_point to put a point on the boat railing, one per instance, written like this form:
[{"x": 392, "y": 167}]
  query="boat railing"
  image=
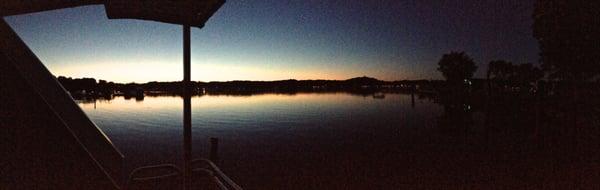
[
  {"x": 211, "y": 166},
  {"x": 169, "y": 173}
]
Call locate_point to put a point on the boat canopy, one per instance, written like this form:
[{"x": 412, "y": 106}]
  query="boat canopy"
[{"x": 184, "y": 12}]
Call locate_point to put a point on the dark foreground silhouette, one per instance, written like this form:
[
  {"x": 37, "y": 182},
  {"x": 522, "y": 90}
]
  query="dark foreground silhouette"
[{"x": 515, "y": 132}]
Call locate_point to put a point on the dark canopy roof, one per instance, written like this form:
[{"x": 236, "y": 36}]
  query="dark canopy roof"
[{"x": 184, "y": 12}]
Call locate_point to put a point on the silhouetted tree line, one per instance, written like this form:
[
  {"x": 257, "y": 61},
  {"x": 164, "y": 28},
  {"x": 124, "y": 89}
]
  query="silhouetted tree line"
[
  {"x": 568, "y": 35},
  {"x": 458, "y": 69},
  {"x": 506, "y": 74},
  {"x": 88, "y": 87},
  {"x": 359, "y": 85},
  {"x": 82, "y": 84},
  {"x": 83, "y": 87},
  {"x": 563, "y": 91}
]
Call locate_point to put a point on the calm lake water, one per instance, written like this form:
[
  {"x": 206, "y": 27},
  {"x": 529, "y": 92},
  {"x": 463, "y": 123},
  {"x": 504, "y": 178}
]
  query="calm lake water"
[{"x": 324, "y": 141}]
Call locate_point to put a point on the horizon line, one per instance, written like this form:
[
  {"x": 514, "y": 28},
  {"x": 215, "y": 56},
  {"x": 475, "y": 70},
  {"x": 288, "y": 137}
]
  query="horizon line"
[{"x": 242, "y": 80}]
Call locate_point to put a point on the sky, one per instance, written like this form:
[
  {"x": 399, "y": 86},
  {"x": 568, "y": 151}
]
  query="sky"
[{"x": 279, "y": 39}]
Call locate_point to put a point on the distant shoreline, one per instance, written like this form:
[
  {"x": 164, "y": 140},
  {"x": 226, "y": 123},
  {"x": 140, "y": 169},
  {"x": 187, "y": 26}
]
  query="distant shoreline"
[{"x": 85, "y": 87}]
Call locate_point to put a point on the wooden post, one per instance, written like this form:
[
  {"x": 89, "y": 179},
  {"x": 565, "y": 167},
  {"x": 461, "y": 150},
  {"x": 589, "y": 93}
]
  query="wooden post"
[
  {"x": 187, "y": 110},
  {"x": 413, "y": 90},
  {"x": 214, "y": 148},
  {"x": 412, "y": 99}
]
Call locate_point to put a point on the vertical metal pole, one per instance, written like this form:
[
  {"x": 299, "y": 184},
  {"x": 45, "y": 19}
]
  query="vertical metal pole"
[
  {"x": 187, "y": 109},
  {"x": 214, "y": 150}
]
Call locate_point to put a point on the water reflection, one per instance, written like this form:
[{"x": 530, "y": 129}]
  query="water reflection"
[{"x": 333, "y": 140}]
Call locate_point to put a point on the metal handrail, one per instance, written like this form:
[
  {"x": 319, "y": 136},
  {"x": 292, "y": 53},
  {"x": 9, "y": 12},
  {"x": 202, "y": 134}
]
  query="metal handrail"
[
  {"x": 175, "y": 171},
  {"x": 220, "y": 174},
  {"x": 214, "y": 178},
  {"x": 216, "y": 175}
]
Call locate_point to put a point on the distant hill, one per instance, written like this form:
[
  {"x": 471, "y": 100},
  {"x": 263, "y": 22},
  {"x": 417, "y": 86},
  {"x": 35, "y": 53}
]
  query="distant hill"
[{"x": 363, "y": 81}]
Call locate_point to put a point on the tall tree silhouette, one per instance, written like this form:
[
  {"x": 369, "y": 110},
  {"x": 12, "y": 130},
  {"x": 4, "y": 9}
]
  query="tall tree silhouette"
[
  {"x": 568, "y": 35},
  {"x": 457, "y": 67}
]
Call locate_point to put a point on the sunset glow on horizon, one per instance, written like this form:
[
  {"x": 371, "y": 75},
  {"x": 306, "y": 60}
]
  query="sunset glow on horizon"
[
  {"x": 278, "y": 40},
  {"x": 125, "y": 73}
]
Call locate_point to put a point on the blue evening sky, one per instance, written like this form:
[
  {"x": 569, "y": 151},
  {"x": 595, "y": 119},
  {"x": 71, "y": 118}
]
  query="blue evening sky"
[{"x": 278, "y": 39}]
